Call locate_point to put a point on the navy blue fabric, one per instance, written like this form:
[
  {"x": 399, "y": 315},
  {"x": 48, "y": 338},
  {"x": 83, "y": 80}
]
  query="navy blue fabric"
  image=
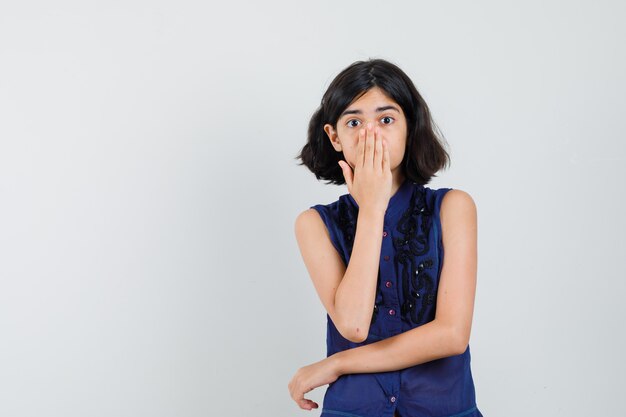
[{"x": 410, "y": 268}]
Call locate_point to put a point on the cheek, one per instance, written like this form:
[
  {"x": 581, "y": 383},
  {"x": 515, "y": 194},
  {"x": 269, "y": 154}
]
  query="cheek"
[
  {"x": 396, "y": 140},
  {"x": 350, "y": 156},
  {"x": 349, "y": 141},
  {"x": 348, "y": 136}
]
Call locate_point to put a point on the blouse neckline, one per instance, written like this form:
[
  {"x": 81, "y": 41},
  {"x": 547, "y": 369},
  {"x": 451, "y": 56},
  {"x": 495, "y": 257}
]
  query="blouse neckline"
[{"x": 398, "y": 201}]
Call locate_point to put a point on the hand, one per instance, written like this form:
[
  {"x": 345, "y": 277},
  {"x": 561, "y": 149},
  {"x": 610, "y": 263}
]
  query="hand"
[
  {"x": 312, "y": 376},
  {"x": 370, "y": 184}
]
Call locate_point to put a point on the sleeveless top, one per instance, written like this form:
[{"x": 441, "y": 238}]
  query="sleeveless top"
[{"x": 408, "y": 278}]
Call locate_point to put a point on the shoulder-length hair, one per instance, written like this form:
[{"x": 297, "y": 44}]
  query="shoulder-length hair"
[{"x": 424, "y": 154}]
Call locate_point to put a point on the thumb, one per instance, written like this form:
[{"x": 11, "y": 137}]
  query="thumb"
[{"x": 347, "y": 174}]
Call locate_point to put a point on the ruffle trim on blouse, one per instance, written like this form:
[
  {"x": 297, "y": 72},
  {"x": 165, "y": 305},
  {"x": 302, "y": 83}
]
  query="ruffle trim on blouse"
[{"x": 412, "y": 247}]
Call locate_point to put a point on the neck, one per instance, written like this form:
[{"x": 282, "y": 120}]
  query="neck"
[{"x": 398, "y": 180}]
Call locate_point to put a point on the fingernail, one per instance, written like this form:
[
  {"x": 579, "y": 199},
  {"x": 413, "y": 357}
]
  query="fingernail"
[{"x": 369, "y": 125}]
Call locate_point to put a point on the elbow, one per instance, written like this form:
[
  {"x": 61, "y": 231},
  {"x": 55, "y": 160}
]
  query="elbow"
[
  {"x": 350, "y": 328},
  {"x": 460, "y": 348},
  {"x": 459, "y": 341},
  {"x": 358, "y": 337},
  {"x": 354, "y": 334}
]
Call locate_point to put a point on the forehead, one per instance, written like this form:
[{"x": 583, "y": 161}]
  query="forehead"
[
  {"x": 368, "y": 102},
  {"x": 372, "y": 98}
]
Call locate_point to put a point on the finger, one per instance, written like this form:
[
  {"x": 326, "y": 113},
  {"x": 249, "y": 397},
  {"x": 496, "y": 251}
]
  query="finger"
[
  {"x": 360, "y": 150},
  {"x": 378, "y": 150},
  {"x": 297, "y": 392},
  {"x": 386, "y": 163},
  {"x": 347, "y": 174},
  {"x": 304, "y": 403},
  {"x": 307, "y": 404},
  {"x": 369, "y": 146}
]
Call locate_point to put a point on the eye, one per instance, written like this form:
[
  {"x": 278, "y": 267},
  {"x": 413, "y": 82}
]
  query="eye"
[
  {"x": 387, "y": 120},
  {"x": 353, "y": 123}
]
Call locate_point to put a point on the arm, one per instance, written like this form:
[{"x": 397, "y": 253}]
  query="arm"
[
  {"x": 448, "y": 334},
  {"x": 348, "y": 294},
  {"x": 356, "y": 293}
]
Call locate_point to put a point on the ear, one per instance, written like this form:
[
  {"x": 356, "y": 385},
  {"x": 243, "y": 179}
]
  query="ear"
[{"x": 332, "y": 135}]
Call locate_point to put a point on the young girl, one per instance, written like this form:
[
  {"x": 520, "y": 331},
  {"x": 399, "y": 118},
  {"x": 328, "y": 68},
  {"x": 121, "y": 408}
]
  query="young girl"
[{"x": 399, "y": 312}]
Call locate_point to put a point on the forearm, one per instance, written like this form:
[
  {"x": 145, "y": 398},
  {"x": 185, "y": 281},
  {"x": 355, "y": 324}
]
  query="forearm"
[
  {"x": 355, "y": 295},
  {"x": 422, "y": 344}
]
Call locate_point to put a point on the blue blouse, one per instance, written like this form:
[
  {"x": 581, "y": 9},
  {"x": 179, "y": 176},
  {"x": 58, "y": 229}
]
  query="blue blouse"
[{"x": 408, "y": 278}]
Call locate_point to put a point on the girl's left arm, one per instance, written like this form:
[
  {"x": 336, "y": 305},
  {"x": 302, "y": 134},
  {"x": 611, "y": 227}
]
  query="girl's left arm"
[{"x": 449, "y": 333}]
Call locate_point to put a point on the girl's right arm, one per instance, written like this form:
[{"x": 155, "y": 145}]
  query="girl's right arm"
[{"x": 348, "y": 294}]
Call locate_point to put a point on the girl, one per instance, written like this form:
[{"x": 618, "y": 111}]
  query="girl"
[{"x": 399, "y": 313}]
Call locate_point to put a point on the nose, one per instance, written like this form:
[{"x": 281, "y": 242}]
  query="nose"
[{"x": 365, "y": 125}]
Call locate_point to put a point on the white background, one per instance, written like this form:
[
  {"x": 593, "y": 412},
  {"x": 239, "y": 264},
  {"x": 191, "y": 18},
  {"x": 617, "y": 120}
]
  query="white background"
[{"x": 148, "y": 190}]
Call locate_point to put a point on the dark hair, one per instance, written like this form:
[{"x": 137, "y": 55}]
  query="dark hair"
[{"x": 424, "y": 154}]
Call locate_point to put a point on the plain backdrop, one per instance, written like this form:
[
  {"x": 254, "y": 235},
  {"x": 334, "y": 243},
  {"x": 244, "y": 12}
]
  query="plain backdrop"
[{"x": 149, "y": 187}]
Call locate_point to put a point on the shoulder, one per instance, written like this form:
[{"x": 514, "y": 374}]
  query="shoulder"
[
  {"x": 307, "y": 219},
  {"x": 313, "y": 231},
  {"x": 323, "y": 213},
  {"x": 458, "y": 206},
  {"x": 315, "y": 218},
  {"x": 457, "y": 199}
]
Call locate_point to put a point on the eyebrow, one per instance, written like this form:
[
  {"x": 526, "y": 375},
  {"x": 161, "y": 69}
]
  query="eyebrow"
[{"x": 378, "y": 110}]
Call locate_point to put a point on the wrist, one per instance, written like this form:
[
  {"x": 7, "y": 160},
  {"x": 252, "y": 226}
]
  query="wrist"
[
  {"x": 372, "y": 213},
  {"x": 338, "y": 363}
]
